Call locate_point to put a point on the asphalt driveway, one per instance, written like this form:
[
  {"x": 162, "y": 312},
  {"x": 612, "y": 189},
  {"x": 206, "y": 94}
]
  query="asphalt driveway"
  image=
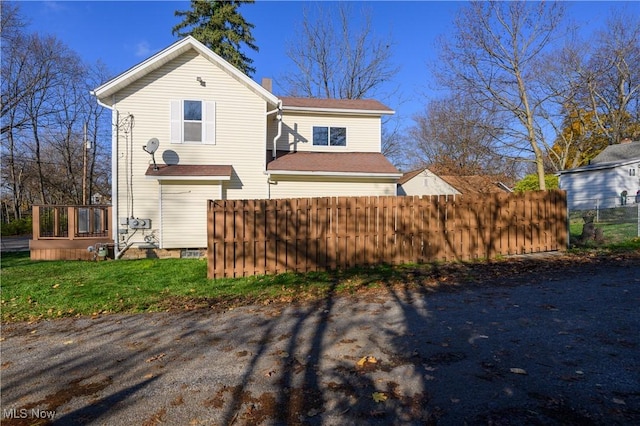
[{"x": 552, "y": 345}]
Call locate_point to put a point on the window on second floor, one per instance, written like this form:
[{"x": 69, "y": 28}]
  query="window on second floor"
[
  {"x": 329, "y": 136},
  {"x": 632, "y": 172},
  {"x": 193, "y": 121}
]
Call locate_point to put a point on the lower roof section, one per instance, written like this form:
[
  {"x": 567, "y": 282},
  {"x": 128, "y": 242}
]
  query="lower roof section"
[
  {"x": 190, "y": 172},
  {"x": 331, "y": 163}
]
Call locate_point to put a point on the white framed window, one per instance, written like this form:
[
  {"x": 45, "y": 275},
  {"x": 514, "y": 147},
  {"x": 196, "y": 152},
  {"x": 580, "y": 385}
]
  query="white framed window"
[
  {"x": 193, "y": 121},
  {"x": 329, "y": 136}
]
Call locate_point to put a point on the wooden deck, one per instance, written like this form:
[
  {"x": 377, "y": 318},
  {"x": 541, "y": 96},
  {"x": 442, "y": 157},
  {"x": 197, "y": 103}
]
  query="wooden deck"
[{"x": 67, "y": 232}]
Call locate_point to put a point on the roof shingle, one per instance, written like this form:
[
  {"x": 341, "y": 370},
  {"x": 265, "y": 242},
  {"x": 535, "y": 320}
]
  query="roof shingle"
[
  {"x": 333, "y": 162},
  {"x": 345, "y": 104}
]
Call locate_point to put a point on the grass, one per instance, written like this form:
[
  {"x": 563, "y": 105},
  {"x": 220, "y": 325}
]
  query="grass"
[
  {"x": 614, "y": 233},
  {"x": 35, "y": 290}
]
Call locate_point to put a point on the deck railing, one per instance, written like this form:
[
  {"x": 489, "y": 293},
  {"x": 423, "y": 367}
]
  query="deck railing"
[
  {"x": 67, "y": 232},
  {"x": 71, "y": 222}
]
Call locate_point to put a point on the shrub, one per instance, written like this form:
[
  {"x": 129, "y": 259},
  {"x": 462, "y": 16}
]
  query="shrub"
[
  {"x": 530, "y": 183},
  {"x": 17, "y": 227}
]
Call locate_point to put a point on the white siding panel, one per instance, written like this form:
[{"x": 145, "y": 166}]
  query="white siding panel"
[
  {"x": 184, "y": 213},
  {"x": 601, "y": 188},
  {"x": 298, "y": 187}
]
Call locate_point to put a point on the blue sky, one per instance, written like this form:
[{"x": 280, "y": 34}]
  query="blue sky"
[{"x": 123, "y": 33}]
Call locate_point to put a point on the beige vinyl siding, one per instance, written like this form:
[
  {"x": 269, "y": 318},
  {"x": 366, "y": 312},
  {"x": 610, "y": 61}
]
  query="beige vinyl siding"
[
  {"x": 312, "y": 186},
  {"x": 363, "y": 132},
  {"x": 184, "y": 213},
  {"x": 239, "y": 141}
]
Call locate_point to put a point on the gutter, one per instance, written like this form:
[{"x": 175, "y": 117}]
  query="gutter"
[
  {"x": 340, "y": 111},
  {"x": 327, "y": 173}
]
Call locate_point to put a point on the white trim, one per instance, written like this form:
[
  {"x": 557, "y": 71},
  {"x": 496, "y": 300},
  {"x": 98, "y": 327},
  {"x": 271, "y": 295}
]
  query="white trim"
[
  {"x": 601, "y": 166},
  {"x": 338, "y": 111},
  {"x": 325, "y": 173},
  {"x": 196, "y": 178}
]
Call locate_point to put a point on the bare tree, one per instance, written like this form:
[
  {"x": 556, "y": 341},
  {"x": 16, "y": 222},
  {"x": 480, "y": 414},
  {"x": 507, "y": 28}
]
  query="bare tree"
[
  {"x": 455, "y": 136},
  {"x": 492, "y": 59},
  {"x": 45, "y": 105},
  {"x": 335, "y": 59},
  {"x": 612, "y": 76}
]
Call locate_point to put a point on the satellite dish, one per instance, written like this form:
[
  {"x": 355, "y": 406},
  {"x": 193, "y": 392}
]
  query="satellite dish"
[{"x": 151, "y": 147}]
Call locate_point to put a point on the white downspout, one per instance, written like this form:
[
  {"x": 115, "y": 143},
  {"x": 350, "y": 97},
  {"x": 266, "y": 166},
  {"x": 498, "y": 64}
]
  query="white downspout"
[
  {"x": 114, "y": 173},
  {"x": 279, "y": 117},
  {"x": 278, "y": 110}
]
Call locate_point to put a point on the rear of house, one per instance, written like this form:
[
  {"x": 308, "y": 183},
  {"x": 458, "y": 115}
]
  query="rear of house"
[{"x": 189, "y": 127}]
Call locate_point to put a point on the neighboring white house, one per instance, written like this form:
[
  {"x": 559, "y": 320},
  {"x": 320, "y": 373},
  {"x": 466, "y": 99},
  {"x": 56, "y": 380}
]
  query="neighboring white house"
[
  {"x": 424, "y": 182},
  {"x": 602, "y": 183},
  {"x": 190, "y": 127}
]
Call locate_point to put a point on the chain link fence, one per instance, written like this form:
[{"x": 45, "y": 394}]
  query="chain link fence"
[{"x": 608, "y": 220}]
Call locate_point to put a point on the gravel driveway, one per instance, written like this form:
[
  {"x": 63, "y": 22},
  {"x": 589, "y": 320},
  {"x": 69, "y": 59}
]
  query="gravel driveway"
[{"x": 556, "y": 343}]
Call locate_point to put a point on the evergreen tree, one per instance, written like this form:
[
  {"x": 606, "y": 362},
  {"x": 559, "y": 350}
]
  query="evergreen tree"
[{"x": 218, "y": 25}]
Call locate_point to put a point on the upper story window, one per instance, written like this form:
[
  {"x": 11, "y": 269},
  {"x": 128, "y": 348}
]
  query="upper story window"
[
  {"x": 632, "y": 172},
  {"x": 193, "y": 121},
  {"x": 329, "y": 136}
]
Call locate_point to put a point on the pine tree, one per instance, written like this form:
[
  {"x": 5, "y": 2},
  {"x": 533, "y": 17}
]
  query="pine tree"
[{"x": 218, "y": 25}]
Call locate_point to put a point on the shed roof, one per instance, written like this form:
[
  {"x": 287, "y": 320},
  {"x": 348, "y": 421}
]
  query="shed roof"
[
  {"x": 364, "y": 106},
  {"x": 187, "y": 171},
  {"x": 372, "y": 163}
]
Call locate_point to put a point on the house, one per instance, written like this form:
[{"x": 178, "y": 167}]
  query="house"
[
  {"x": 423, "y": 181},
  {"x": 602, "y": 183},
  {"x": 190, "y": 127}
]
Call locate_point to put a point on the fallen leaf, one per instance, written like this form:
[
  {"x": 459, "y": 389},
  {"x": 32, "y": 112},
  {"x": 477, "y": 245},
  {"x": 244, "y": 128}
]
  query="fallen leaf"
[
  {"x": 518, "y": 371},
  {"x": 618, "y": 401},
  {"x": 366, "y": 359},
  {"x": 68, "y": 342},
  {"x": 156, "y": 357},
  {"x": 429, "y": 377},
  {"x": 379, "y": 396},
  {"x": 55, "y": 286}
]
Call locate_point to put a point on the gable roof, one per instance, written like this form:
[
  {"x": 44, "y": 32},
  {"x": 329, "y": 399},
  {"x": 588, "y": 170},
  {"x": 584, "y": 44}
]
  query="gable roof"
[
  {"x": 336, "y": 163},
  {"x": 612, "y": 156},
  {"x": 161, "y": 58},
  {"x": 476, "y": 184},
  {"x": 618, "y": 152},
  {"x": 341, "y": 106},
  {"x": 190, "y": 172},
  {"x": 406, "y": 177}
]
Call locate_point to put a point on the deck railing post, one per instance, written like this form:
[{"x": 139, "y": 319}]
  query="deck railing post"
[
  {"x": 72, "y": 224},
  {"x": 35, "y": 212}
]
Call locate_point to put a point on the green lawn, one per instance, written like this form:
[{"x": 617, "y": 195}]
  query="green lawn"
[
  {"x": 49, "y": 289},
  {"x": 614, "y": 233}
]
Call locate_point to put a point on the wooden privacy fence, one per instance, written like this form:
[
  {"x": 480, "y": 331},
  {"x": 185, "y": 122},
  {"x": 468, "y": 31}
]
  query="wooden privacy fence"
[{"x": 252, "y": 237}]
